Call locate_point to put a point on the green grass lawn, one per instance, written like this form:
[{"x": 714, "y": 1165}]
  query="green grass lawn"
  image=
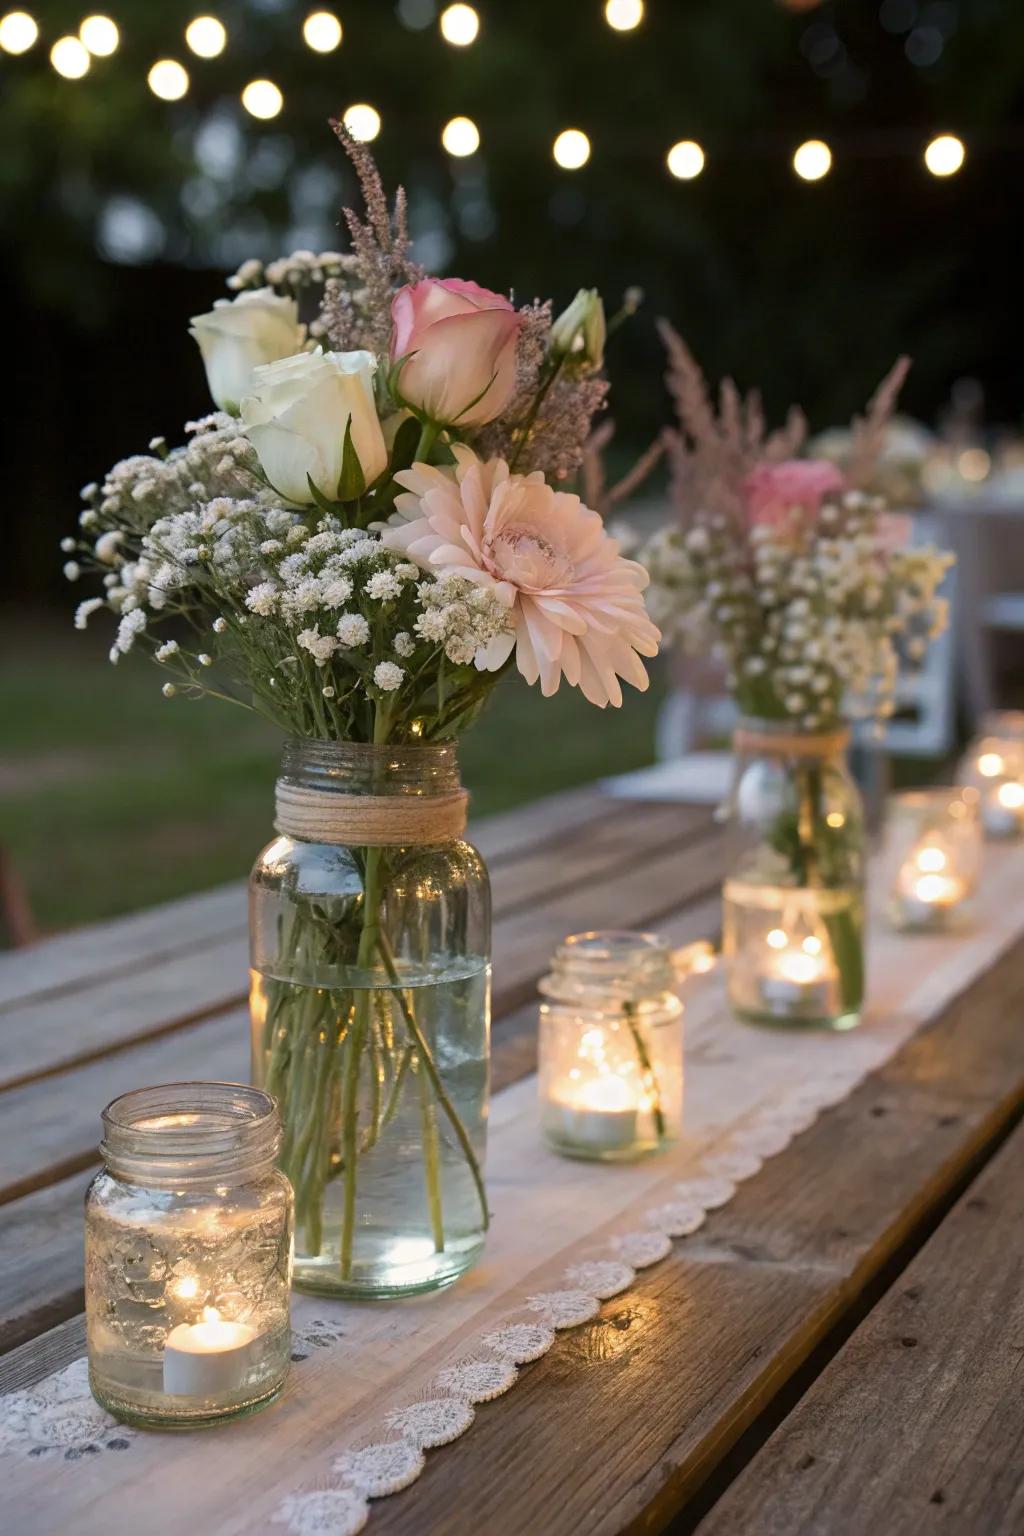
[{"x": 112, "y": 797}]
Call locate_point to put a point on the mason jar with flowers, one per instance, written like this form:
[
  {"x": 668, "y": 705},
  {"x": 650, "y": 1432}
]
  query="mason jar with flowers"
[
  {"x": 359, "y": 555},
  {"x": 806, "y": 589}
]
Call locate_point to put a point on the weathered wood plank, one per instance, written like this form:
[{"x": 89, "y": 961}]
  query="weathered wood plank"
[
  {"x": 41, "y": 1260},
  {"x": 189, "y": 983},
  {"x": 917, "y": 1425},
  {"x": 621, "y": 1428}
]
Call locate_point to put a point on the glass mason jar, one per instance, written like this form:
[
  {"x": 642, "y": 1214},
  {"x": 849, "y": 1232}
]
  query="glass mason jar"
[
  {"x": 994, "y": 765},
  {"x": 188, "y": 1234},
  {"x": 611, "y": 1048},
  {"x": 793, "y": 918},
  {"x": 371, "y": 1014},
  {"x": 931, "y": 855}
]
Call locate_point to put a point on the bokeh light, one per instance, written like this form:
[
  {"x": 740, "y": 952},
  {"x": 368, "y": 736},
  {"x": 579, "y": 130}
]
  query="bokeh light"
[
  {"x": 70, "y": 58},
  {"x": 459, "y": 25},
  {"x": 261, "y": 98},
  {"x": 685, "y": 159},
  {"x": 100, "y": 36},
  {"x": 945, "y": 155},
  {"x": 624, "y": 15},
  {"x": 362, "y": 122},
  {"x": 18, "y": 31},
  {"x": 571, "y": 149},
  {"x": 812, "y": 160},
  {"x": 322, "y": 31},
  {"x": 168, "y": 79},
  {"x": 206, "y": 36},
  {"x": 461, "y": 137}
]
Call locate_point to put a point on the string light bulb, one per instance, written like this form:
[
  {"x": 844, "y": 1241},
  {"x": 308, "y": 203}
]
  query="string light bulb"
[
  {"x": 70, "y": 58},
  {"x": 262, "y": 99},
  {"x": 18, "y": 31},
  {"x": 362, "y": 122},
  {"x": 571, "y": 149},
  {"x": 812, "y": 160},
  {"x": 461, "y": 137},
  {"x": 168, "y": 79},
  {"x": 685, "y": 160},
  {"x": 624, "y": 15},
  {"x": 206, "y": 36},
  {"x": 459, "y": 25},
  {"x": 945, "y": 155},
  {"x": 322, "y": 31},
  {"x": 100, "y": 35}
]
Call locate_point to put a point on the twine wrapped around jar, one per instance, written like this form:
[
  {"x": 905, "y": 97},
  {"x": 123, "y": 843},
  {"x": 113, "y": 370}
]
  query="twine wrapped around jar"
[
  {"x": 364, "y": 821},
  {"x": 748, "y": 741}
]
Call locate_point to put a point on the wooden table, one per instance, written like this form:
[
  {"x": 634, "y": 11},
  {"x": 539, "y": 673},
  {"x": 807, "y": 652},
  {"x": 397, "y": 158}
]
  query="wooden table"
[{"x": 838, "y": 1350}]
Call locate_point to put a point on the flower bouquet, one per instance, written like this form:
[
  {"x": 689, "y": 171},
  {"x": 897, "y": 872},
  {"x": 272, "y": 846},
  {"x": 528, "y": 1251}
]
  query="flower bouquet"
[
  {"x": 807, "y": 591},
  {"x": 357, "y": 545}
]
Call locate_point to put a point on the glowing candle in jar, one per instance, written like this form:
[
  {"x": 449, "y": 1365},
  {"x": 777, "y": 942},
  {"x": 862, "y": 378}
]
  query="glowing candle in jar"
[
  {"x": 928, "y": 889},
  {"x": 203, "y": 1359},
  {"x": 1002, "y": 814},
  {"x": 796, "y": 973},
  {"x": 598, "y": 1113}
]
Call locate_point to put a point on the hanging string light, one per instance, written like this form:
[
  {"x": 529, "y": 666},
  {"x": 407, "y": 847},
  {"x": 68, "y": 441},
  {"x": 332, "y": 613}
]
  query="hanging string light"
[
  {"x": 945, "y": 155},
  {"x": 624, "y": 15},
  {"x": 571, "y": 149},
  {"x": 461, "y": 137},
  {"x": 322, "y": 31},
  {"x": 812, "y": 160},
  {"x": 18, "y": 32},
  {"x": 362, "y": 122},
  {"x": 206, "y": 36},
  {"x": 459, "y": 25},
  {"x": 685, "y": 160},
  {"x": 70, "y": 58},
  {"x": 262, "y": 99},
  {"x": 100, "y": 36},
  {"x": 168, "y": 79}
]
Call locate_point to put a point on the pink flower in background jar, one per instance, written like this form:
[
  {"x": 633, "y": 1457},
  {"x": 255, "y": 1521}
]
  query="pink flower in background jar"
[
  {"x": 775, "y": 491},
  {"x": 459, "y": 345}
]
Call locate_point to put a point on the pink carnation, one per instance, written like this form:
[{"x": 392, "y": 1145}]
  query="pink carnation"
[
  {"x": 775, "y": 491},
  {"x": 576, "y": 603}
]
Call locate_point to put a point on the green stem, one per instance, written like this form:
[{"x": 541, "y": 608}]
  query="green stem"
[
  {"x": 431, "y": 1160},
  {"x": 650, "y": 1081},
  {"x": 429, "y": 434},
  {"x": 353, "y": 1060}
]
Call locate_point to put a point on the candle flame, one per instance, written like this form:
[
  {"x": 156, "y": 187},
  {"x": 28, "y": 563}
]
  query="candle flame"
[
  {"x": 777, "y": 939},
  {"x": 1011, "y": 796},
  {"x": 990, "y": 765}
]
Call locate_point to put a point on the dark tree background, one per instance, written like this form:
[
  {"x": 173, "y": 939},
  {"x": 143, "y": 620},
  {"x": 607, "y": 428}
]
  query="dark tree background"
[{"x": 121, "y": 213}]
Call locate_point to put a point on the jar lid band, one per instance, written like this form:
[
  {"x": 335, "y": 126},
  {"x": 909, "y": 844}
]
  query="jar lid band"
[{"x": 325, "y": 816}]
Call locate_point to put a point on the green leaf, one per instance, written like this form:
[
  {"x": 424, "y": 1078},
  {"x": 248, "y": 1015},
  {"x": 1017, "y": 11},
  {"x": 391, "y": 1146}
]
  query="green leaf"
[
  {"x": 322, "y": 501},
  {"x": 403, "y": 451},
  {"x": 352, "y": 482}
]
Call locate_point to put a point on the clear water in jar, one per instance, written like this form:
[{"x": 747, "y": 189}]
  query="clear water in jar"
[{"x": 417, "y": 1213}]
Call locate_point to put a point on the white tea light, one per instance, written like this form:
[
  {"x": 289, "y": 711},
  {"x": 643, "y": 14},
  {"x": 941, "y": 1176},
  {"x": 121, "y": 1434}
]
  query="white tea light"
[
  {"x": 1002, "y": 811},
  {"x": 207, "y": 1358},
  {"x": 599, "y": 1117},
  {"x": 796, "y": 976}
]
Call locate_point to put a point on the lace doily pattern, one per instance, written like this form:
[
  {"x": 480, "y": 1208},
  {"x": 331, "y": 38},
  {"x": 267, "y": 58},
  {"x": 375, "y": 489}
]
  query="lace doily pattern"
[
  {"x": 602, "y": 1278},
  {"x": 323, "y": 1512},
  {"x": 478, "y": 1381},
  {"x": 377, "y": 1470},
  {"x": 434, "y": 1421},
  {"x": 60, "y": 1417}
]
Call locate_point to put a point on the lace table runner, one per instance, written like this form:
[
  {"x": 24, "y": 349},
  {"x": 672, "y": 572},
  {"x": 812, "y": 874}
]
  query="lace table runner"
[{"x": 377, "y": 1386}]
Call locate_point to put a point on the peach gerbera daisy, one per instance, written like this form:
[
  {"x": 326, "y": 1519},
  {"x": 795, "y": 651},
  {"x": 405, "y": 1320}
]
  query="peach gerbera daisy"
[{"x": 576, "y": 602}]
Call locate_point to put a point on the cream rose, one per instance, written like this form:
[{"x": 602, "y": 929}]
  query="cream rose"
[
  {"x": 299, "y": 413},
  {"x": 456, "y": 346},
  {"x": 580, "y": 332},
  {"x": 238, "y": 335}
]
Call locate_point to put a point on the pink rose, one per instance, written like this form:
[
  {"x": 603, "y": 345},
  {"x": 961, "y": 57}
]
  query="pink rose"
[
  {"x": 459, "y": 345},
  {"x": 775, "y": 491}
]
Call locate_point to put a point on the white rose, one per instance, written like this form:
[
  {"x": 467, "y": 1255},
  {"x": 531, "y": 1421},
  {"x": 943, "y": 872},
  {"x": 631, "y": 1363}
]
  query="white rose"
[
  {"x": 238, "y": 335},
  {"x": 580, "y": 331},
  {"x": 297, "y": 418}
]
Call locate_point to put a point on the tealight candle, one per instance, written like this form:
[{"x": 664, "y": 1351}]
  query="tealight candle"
[
  {"x": 208, "y": 1358},
  {"x": 1002, "y": 812},
  {"x": 611, "y": 1047},
  {"x": 796, "y": 976},
  {"x": 932, "y": 847},
  {"x": 188, "y": 1237},
  {"x": 995, "y": 764}
]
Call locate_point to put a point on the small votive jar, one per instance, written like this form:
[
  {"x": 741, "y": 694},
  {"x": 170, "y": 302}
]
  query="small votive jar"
[
  {"x": 794, "y": 954},
  {"x": 931, "y": 857},
  {"x": 188, "y": 1254},
  {"x": 994, "y": 765},
  {"x": 611, "y": 1048}
]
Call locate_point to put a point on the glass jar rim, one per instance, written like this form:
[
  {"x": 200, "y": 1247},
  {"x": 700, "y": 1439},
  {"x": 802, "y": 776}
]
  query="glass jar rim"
[
  {"x": 367, "y": 767},
  {"x": 190, "y": 1132},
  {"x": 621, "y": 964}
]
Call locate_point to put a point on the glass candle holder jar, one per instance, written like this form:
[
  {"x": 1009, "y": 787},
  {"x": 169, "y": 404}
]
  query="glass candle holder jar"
[
  {"x": 793, "y": 900},
  {"x": 931, "y": 856},
  {"x": 994, "y": 765},
  {"x": 188, "y": 1243},
  {"x": 611, "y": 1048}
]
